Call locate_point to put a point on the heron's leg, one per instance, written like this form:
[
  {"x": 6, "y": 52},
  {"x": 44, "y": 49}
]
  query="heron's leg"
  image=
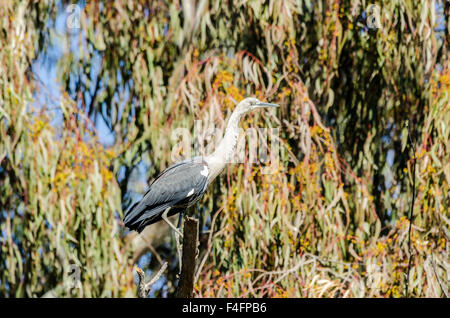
[
  {"x": 179, "y": 218},
  {"x": 164, "y": 217},
  {"x": 177, "y": 234},
  {"x": 179, "y": 251},
  {"x": 177, "y": 239}
]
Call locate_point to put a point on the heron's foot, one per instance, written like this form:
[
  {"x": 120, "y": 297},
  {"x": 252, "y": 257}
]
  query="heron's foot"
[{"x": 166, "y": 219}]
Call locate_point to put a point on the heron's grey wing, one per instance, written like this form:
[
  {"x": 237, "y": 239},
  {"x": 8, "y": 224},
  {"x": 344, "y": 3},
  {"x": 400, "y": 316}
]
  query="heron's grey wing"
[{"x": 177, "y": 185}]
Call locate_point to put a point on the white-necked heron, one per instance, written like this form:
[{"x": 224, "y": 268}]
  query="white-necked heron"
[{"x": 184, "y": 183}]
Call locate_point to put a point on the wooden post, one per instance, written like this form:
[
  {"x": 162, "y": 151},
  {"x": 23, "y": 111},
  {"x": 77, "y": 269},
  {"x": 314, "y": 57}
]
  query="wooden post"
[{"x": 190, "y": 241}]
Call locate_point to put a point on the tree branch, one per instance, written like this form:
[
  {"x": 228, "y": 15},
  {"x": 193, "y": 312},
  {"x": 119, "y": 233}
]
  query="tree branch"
[{"x": 143, "y": 287}]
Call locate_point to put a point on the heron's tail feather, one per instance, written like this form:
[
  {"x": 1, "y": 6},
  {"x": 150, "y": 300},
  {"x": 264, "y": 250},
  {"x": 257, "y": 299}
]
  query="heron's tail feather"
[
  {"x": 131, "y": 218},
  {"x": 140, "y": 215}
]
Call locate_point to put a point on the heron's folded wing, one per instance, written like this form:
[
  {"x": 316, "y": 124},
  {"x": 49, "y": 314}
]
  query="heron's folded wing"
[{"x": 175, "y": 185}]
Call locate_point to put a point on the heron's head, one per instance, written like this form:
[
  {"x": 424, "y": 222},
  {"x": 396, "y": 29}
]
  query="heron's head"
[{"x": 250, "y": 103}]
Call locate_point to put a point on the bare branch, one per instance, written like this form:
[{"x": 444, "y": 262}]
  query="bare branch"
[
  {"x": 143, "y": 287},
  {"x": 205, "y": 257}
]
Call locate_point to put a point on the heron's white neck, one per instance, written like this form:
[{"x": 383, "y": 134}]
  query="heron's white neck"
[{"x": 224, "y": 152}]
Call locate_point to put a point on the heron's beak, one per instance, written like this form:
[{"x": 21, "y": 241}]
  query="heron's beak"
[{"x": 261, "y": 104}]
